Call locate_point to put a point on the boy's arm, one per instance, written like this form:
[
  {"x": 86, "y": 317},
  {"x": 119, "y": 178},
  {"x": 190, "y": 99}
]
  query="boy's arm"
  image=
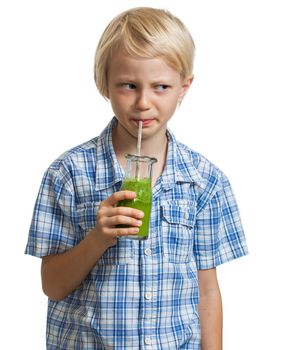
[
  {"x": 210, "y": 310},
  {"x": 62, "y": 273}
]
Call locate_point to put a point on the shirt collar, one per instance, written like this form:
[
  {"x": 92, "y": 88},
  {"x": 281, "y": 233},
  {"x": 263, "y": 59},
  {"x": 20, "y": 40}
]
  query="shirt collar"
[
  {"x": 179, "y": 165},
  {"x": 108, "y": 169}
]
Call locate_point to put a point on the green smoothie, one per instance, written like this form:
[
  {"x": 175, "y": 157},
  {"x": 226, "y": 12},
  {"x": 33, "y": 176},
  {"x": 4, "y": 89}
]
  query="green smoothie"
[{"x": 142, "y": 202}]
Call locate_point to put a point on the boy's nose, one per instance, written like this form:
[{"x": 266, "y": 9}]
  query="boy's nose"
[{"x": 143, "y": 101}]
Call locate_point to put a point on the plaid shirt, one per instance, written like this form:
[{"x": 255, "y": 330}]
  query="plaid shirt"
[{"x": 139, "y": 295}]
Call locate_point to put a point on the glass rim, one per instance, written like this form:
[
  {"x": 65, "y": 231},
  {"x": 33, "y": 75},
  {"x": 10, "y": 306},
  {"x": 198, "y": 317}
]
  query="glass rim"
[{"x": 140, "y": 158}]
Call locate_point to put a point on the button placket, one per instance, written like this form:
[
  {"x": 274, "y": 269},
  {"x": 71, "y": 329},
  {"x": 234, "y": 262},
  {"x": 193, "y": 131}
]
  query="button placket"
[
  {"x": 148, "y": 295},
  {"x": 147, "y": 341},
  {"x": 148, "y": 290},
  {"x": 148, "y": 252}
]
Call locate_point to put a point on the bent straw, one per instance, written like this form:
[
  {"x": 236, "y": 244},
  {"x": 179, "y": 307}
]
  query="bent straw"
[{"x": 139, "y": 148}]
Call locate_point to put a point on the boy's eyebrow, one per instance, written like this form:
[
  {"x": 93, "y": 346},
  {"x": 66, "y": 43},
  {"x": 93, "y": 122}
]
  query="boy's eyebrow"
[{"x": 162, "y": 81}]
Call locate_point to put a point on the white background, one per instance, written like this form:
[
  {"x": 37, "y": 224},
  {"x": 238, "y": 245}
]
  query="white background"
[{"x": 235, "y": 114}]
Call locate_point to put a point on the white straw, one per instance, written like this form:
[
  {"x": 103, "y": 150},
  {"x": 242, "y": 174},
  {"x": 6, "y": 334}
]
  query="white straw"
[
  {"x": 139, "y": 138},
  {"x": 139, "y": 149}
]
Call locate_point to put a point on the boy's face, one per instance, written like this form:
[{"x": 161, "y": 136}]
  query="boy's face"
[{"x": 144, "y": 89}]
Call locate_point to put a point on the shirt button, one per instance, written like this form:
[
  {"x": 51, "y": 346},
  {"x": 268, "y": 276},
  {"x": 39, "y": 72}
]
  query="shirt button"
[
  {"x": 148, "y": 341},
  {"x": 148, "y": 251},
  {"x": 148, "y": 296}
]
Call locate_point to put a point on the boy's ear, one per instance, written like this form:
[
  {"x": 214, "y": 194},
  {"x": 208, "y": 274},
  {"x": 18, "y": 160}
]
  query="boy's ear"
[{"x": 185, "y": 86}]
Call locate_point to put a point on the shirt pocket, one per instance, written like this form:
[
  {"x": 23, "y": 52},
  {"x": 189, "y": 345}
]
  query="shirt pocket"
[
  {"x": 121, "y": 253},
  {"x": 178, "y": 221}
]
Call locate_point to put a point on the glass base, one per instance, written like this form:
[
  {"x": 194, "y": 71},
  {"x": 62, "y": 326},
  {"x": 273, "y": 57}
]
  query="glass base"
[{"x": 135, "y": 237}]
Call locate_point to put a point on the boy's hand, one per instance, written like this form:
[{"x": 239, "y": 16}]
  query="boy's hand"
[{"x": 109, "y": 216}]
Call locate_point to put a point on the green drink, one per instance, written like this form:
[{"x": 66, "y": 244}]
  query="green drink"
[
  {"x": 140, "y": 183},
  {"x": 142, "y": 202}
]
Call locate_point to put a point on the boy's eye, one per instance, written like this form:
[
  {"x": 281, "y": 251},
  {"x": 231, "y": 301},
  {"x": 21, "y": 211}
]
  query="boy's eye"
[
  {"x": 162, "y": 87},
  {"x": 129, "y": 86}
]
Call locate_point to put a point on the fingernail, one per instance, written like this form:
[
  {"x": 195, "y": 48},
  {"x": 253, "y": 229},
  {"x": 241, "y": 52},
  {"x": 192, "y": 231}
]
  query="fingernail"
[
  {"x": 140, "y": 214},
  {"x": 138, "y": 222}
]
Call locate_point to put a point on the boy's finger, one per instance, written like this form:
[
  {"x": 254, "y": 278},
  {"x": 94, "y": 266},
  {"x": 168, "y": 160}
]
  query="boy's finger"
[
  {"x": 119, "y": 232},
  {"x": 119, "y": 196},
  {"x": 124, "y": 211},
  {"x": 124, "y": 220}
]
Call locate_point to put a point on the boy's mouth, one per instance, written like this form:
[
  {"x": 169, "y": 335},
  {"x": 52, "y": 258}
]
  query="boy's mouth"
[{"x": 145, "y": 122}]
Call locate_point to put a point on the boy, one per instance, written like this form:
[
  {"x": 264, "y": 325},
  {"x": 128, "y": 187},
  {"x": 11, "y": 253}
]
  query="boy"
[{"x": 109, "y": 293}]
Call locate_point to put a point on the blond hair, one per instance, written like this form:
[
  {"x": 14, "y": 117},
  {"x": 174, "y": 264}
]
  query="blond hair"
[{"x": 145, "y": 32}]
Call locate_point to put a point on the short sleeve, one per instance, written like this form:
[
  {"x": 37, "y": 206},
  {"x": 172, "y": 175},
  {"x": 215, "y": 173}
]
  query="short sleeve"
[
  {"x": 53, "y": 225},
  {"x": 219, "y": 235}
]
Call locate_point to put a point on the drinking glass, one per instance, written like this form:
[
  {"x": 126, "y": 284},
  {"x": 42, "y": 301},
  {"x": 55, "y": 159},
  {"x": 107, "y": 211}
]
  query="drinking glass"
[{"x": 138, "y": 176}]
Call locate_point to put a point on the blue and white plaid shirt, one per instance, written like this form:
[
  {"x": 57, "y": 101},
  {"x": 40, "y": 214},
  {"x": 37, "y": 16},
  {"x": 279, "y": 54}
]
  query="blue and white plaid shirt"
[{"x": 139, "y": 295}]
